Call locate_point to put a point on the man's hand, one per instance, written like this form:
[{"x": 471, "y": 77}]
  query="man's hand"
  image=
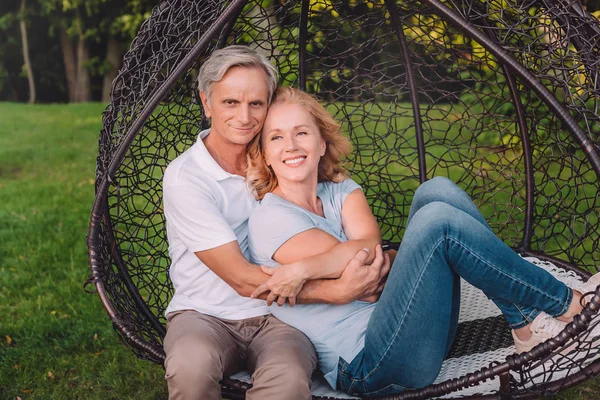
[
  {"x": 373, "y": 298},
  {"x": 365, "y": 281},
  {"x": 285, "y": 283}
]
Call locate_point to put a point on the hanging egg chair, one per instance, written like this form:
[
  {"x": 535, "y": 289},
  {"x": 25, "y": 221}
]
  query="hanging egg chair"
[{"x": 500, "y": 96}]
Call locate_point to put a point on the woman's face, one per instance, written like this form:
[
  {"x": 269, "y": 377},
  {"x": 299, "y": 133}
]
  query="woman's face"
[{"x": 292, "y": 143}]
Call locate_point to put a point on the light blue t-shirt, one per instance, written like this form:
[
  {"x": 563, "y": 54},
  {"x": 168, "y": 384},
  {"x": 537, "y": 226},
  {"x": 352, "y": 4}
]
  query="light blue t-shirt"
[{"x": 335, "y": 330}]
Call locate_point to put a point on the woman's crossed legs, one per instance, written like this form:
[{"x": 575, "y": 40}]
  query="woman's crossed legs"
[{"x": 415, "y": 320}]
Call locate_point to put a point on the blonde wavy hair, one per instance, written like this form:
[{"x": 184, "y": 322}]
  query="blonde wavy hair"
[{"x": 260, "y": 176}]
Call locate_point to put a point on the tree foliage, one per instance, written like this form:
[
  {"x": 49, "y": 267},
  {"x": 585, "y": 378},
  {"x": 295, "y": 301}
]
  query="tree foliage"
[
  {"x": 73, "y": 46},
  {"x": 76, "y": 45}
]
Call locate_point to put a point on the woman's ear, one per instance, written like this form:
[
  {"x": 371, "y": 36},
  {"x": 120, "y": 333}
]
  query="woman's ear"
[{"x": 323, "y": 147}]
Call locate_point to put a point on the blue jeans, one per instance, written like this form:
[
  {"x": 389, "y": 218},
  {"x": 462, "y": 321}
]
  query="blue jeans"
[{"x": 414, "y": 323}]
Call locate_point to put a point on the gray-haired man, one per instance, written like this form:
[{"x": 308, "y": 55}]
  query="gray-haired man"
[{"x": 214, "y": 328}]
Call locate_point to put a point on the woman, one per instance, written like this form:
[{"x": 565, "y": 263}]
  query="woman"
[{"x": 309, "y": 206}]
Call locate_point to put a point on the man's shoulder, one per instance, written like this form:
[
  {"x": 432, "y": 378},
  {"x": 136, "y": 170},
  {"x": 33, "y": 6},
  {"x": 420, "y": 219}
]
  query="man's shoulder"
[
  {"x": 173, "y": 172},
  {"x": 185, "y": 170},
  {"x": 184, "y": 179}
]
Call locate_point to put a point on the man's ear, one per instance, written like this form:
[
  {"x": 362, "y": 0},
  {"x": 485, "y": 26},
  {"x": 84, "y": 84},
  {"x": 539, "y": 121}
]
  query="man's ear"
[{"x": 205, "y": 104}]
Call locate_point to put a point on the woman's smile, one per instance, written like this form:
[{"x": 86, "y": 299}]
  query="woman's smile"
[
  {"x": 295, "y": 161},
  {"x": 292, "y": 143}
]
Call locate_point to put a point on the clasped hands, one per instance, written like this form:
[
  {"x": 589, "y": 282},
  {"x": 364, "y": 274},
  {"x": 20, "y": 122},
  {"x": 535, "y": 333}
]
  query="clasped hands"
[{"x": 358, "y": 280}]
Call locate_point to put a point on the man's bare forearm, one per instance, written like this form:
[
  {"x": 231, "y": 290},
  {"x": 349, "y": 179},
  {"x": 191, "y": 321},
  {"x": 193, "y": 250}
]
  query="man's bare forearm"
[
  {"x": 251, "y": 278},
  {"x": 329, "y": 291},
  {"x": 314, "y": 291},
  {"x": 229, "y": 264}
]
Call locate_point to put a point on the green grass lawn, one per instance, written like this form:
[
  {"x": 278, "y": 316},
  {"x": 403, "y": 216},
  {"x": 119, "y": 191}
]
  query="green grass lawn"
[{"x": 56, "y": 341}]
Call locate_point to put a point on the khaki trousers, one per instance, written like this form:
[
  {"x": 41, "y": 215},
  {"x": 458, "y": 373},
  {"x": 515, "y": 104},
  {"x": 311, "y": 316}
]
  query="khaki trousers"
[{"x": 201, "y": 349}]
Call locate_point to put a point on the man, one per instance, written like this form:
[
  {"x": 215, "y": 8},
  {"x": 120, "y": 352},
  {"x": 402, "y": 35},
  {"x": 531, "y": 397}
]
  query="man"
[{"x": 214, "y": 328}]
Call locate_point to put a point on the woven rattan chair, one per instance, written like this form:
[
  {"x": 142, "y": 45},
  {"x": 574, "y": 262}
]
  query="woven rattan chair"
[{"x": 500, "y": 96}]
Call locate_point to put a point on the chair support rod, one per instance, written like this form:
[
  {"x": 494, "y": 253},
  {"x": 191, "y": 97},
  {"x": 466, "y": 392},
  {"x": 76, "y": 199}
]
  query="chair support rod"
[
  {"x": 302, "y": 38},
  {"x": 412, "y": 84},
  {"x": 527, "y": 159}
]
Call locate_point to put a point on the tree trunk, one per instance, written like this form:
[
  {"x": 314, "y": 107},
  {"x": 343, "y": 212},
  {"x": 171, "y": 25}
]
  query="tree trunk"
[
  {"x": 84, "y": 89},
  {"x": 26, "y": 53},
  {"x": 75, "y": 57},
  {"x": 113, "y": 59},
  {"x": 68, "y": 51}
]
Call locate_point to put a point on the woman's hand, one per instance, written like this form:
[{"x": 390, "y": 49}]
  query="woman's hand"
[{"x": 285, "y": 283}]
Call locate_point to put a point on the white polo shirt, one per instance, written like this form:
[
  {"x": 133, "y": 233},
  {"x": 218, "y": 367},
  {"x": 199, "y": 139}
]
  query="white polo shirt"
[{"x": 205, "y": 207}]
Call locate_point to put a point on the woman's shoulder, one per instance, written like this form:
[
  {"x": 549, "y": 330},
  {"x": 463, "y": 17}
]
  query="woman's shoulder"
[
  {"x": 345, "y": 186},
  {"x": 273, "y": 208},
  {"x": 264, "y": 206},
  {"x": 274, "y": 221},
  {"x": 344, "y": 182}
]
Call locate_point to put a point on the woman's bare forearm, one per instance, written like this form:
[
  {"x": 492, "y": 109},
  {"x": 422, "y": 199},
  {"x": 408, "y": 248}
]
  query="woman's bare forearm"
[{"x": 332, "y": 263}]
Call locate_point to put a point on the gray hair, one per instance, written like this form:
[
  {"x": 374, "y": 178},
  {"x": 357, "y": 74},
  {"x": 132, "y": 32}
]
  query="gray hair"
[{"x": 222, "y": 60}]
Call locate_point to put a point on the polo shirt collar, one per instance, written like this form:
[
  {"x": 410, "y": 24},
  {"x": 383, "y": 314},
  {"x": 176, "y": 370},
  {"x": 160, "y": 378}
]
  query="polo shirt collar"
[{"x": 207, "y": 162}]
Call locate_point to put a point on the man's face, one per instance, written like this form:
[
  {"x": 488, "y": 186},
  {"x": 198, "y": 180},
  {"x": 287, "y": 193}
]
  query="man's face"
[{"x": 238, "y": 104}]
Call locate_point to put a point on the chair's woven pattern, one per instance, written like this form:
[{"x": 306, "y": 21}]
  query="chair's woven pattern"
[
  {"x": 526, "y": 152},
  {"x": 492, "y": 342}
]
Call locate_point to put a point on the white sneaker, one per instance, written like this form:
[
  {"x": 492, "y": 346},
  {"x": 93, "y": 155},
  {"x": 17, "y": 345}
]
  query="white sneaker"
[
  {"x": 587, "y": 290},
  {"x": 589, "y": 286},
  {"x": 542, "y": 328}
]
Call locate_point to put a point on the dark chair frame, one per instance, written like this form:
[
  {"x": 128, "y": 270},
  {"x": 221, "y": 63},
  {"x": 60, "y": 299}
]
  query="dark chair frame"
[{"x": 154, "y": 109}]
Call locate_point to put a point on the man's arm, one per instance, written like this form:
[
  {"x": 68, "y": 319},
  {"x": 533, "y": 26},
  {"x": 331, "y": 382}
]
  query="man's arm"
[
  {"x": 359, "y": 279},
  {"x": 228, "y": 262}
]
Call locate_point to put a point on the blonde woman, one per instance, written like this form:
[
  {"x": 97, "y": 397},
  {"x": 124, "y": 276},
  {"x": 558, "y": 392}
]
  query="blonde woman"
[{"x": 310, "y": 206}]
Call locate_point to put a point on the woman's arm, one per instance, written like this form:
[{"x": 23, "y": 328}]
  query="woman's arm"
[
  {"x": 314, "y": 254},
  {"x": 360, "y": 228}
]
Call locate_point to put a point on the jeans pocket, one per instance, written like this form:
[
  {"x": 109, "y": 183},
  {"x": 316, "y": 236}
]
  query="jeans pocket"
[
  {"x": 347, "y": 375},
  {"x": 350, "y": 376},
  {"x": 350, "y": 368},
  {"x": 357, "y": 388},
  {"x": 343, "y": 378}
]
